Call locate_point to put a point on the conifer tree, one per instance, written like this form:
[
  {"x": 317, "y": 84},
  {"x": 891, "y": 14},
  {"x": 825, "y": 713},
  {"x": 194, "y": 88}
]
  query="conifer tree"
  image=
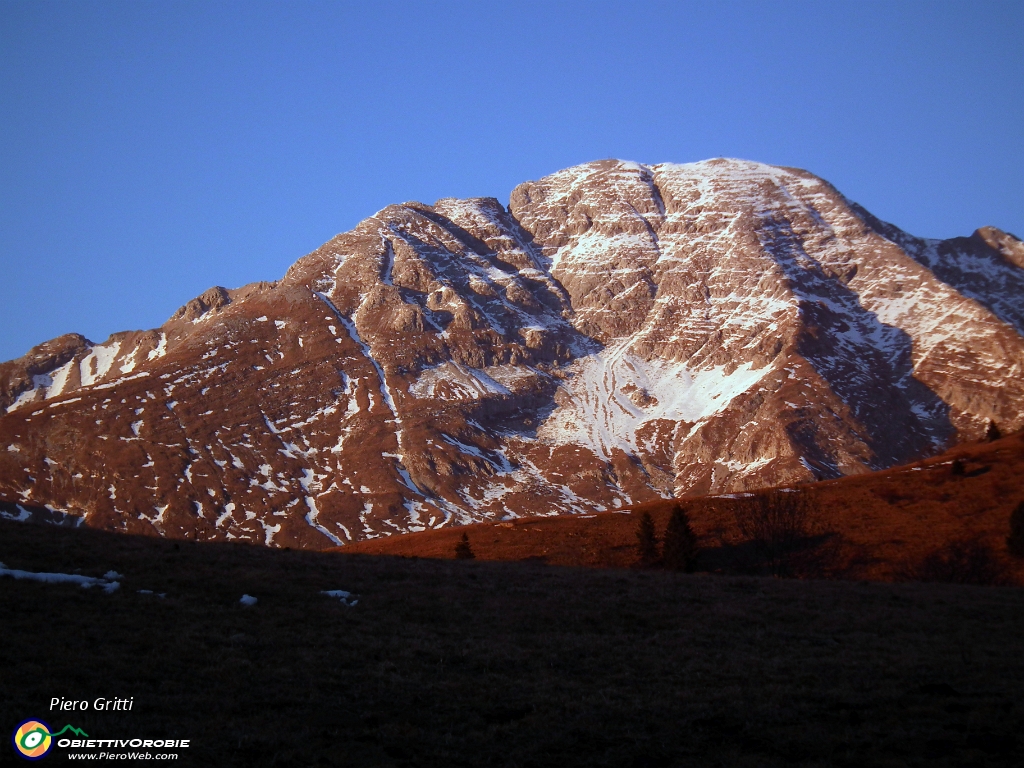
[
  {"x": 679, "y": 550},
  {"x": 1015, "y": 541},
  {"x": 646, "y": 540},
  {"x": 462, "y": 550},
  {"x": 992, "y": 432}
]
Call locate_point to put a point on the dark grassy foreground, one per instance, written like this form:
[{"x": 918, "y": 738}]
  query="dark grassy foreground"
[{"x": 446, "y": 663}]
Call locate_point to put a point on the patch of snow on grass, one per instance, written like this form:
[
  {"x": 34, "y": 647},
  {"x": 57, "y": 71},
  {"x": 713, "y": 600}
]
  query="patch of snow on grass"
[
  {"x": 108, "y": 583},
  {"x": 345, "y": 598},
  {"x": 22, "y": 516}
]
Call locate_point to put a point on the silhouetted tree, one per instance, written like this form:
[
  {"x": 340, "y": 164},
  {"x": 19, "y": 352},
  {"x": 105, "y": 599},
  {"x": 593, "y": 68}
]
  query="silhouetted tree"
[
  {"x": 957, "y": 467},
  {"x": 777, "y": 524},
  {"x": 462, "y": 550},
  {"x": 679, "y": 549},
  {"x": 992, "y": 432},
  {"x": 1015, "y": 541},
  {"x": 646, "y": 540}
]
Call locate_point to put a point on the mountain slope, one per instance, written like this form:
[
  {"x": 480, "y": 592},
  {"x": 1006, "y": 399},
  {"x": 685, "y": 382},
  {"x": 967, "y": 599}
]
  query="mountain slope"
[
  {"x": 876, "y": 526},
  {"x": 619, "y": 333}
]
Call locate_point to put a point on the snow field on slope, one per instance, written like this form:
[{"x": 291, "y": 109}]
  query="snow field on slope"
[
  {"x": 601, "y": 414},
  {"x": 103, "y": 358},
  {"x": 464, "y": 382}
]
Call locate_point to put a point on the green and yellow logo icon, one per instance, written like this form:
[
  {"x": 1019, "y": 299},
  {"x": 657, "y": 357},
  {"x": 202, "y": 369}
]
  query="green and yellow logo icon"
[{"x": 32, "y": 739}]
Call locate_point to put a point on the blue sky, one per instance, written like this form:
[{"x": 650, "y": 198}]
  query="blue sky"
[{"x": 149, "y": 150}]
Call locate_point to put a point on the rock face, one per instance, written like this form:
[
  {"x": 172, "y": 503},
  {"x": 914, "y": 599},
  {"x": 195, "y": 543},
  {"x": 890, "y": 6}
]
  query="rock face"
[{"x": 620, "y": 332}]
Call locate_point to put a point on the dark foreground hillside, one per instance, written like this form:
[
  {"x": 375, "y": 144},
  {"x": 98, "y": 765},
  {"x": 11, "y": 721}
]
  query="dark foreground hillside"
[{"x": 451, "y": 663}]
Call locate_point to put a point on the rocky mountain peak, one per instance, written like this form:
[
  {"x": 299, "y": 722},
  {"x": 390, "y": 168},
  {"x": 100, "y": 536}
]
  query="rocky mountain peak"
[
  {"x": 621, "y": 332},
  {"x": 1007, "y": 245}
]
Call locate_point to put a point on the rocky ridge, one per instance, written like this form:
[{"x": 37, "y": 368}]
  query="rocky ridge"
[{"x": 619, "y": 333}]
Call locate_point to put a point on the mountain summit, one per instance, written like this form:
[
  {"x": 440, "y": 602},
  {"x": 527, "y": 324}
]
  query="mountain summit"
[{"x": 619, "y": 333}]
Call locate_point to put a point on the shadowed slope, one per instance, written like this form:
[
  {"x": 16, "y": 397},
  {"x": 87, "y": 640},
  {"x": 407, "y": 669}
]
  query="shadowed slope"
[{"x": 444, "y": 664}]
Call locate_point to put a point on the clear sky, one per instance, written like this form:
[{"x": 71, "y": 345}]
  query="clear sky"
[{"x": 149, "y": 150}]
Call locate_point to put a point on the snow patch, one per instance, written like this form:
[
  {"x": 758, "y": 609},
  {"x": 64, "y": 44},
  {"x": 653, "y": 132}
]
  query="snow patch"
[
  {"x": 108, "y": 582},
  {"x": 345, "y": 598},
  {"x": 97, "y": 363},
  {"x": 161, "y": 348},
  {"x": 311, "y": 519},
  {"x": 454, "y": 381},
  {"x": 613, "y": 393}
]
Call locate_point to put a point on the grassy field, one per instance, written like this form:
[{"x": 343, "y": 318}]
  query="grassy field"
[{"x": 454, "y": 663}]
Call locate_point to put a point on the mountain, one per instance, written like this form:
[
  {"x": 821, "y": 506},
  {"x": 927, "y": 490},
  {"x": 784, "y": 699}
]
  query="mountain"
[{"x": 619, "y": 333}]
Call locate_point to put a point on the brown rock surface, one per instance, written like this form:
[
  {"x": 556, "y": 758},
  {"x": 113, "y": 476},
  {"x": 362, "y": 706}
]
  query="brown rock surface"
[{"x": 620, "y": 333}]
